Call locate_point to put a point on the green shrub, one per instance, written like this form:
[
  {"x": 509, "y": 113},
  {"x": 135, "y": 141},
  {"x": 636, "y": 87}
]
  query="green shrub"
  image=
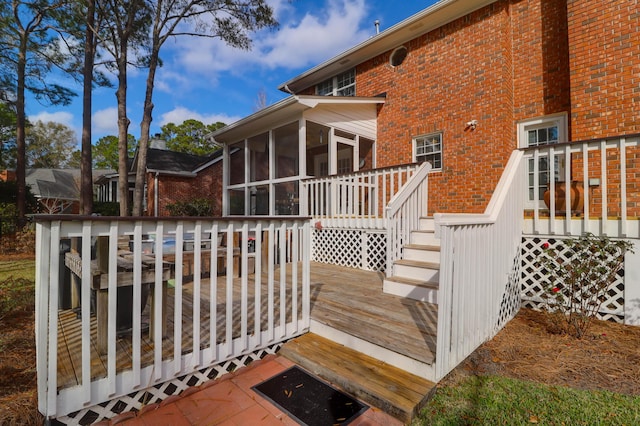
[
  {"x": 194, "y": 207},
  {"x": 576, "y": 274},
  {"x": 106, "y": 208}
]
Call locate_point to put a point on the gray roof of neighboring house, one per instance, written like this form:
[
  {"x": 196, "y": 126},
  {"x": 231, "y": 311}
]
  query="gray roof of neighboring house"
[
  {"x": 54, "y": 183},
  {"x": 57, "y": 183},
  {"x": 171, "y": 161}
]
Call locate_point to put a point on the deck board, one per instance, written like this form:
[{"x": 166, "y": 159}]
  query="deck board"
[{"x": 345, "y": 297}]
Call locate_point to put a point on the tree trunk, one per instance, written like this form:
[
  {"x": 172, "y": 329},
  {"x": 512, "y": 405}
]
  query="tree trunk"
[
  {"x": 143, "y": 143},
  {"x": 86, "y": 181},
  {"x": 20, "y": 133},
  {"x": 123, "y": 131}
]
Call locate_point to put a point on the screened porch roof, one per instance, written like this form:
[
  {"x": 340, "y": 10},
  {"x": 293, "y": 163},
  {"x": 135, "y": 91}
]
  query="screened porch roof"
[{"x": 354, "y": 114}]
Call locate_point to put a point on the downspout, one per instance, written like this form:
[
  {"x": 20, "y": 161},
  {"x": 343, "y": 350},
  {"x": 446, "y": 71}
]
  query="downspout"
[{"x": 155, "y": 195}]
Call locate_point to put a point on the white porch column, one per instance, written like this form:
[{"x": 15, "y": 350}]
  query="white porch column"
[{"x": 225, "y": 180}]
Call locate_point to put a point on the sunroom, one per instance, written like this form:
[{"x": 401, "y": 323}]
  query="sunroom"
[{"x": 268, "y": 153}]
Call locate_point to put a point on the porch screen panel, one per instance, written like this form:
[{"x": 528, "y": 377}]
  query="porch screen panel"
[
  {"x": 287, "y": 198},
  {"x": 236, "y": 163},
  {"x": 236, "y": 201},
  {"x": 259, "y": 157},
  {"x": 286, "y": 150}
]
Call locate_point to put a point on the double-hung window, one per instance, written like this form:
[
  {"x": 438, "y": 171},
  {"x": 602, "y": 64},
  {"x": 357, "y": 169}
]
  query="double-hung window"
[
  {"x": 340, "y": 85},
  {"x": 428, "y": 148},
  {"x": 541, "y": 132}
]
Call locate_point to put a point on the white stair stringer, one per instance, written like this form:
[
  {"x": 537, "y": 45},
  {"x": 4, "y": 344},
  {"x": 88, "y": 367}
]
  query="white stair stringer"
[{"x": 416, "y": 275}]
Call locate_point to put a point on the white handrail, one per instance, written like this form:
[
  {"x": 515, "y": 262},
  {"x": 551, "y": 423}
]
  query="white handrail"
[
  {"x": 244, "y": 313},
  {"x": 479, "y": 289},
  {"x": 582, "y": 167},
  {"x": 404, "y": 211},
  {"x": 354, "y": 200}
]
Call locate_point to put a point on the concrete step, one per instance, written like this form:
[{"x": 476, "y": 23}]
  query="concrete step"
[
  {"x": 421, "y": 252},
  {"x": 427, "y": 238},
  {"x": 374, "y": 382},
  {"x": 424, "y": 291},
  {"x": 417, "y": 270}
]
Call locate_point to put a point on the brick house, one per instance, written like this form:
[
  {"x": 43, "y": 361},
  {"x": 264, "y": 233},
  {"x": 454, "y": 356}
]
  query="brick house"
[
  {"x": 178, "y": 177},
  {"x": 172, "y": 177}
]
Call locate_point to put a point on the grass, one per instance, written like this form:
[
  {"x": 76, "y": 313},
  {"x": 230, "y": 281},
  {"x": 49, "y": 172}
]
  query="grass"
[
  {"x": 24, "y": 268},
  {"x": 496, "y": 400}
]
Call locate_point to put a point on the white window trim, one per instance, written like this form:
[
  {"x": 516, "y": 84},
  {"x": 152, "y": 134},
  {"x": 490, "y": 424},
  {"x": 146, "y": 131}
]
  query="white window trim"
[
  {"x": 560, "y": 120},
  {"x": 414, "y": 149}
]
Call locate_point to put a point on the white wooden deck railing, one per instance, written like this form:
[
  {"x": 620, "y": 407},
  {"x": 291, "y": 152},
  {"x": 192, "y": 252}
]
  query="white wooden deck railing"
[
  {"x": 354, "y": 200},
  {"x": 404, "y": 212},
  {"x": 479, "y": 289},
  {"x": 615, "y": 180},
  {"x": 279, "y": 289}
]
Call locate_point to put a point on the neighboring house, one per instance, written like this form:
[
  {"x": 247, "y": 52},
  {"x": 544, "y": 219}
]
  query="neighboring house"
[
  {"x": 56, "y": 190},
  {"x": 178, "y": 177},
  {"x": 171, "y": 177}
]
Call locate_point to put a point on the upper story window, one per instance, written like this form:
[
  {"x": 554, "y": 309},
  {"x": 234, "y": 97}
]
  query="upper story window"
[
  {"x": 341, "y": 85},
  {"x": 428, "y": 148}
]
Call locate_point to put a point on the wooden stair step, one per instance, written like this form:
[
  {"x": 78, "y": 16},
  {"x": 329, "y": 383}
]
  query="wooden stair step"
[
  {"x": 388, "y": 388},
  {"x": 417, "y": 283},
  {"x": 417, "y": 345},
  {"x": 418, "y": 264},
  {"x": 426, "y": 247}
]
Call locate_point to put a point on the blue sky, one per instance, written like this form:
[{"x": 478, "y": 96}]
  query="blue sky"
[{"x": 208, "y": 81}]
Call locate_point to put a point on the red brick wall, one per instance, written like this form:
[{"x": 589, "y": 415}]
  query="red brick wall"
[
  {"x": 449, "y": 77},
  {"x": 502, "y": 63},
  {"x": 172, "y": 189},
  {"x": 541, "y": 58},
  {"x": 604, "y": 53},
  {"x": 604, "y": 56}
]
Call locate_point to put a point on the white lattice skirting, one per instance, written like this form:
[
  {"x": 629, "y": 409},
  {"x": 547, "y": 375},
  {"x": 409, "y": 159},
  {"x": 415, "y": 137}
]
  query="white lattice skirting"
[
  {"x": 355, "y": 248},
  {"x": 532, "y": 278},
  {"x": 136, "y": 400}
]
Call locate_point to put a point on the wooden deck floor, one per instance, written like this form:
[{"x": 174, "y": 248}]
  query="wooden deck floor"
[{"x": 345, "y": 298}]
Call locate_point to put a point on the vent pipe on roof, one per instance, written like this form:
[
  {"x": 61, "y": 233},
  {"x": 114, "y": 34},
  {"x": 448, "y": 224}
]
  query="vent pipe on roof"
[{"x": 377, "y": 24}]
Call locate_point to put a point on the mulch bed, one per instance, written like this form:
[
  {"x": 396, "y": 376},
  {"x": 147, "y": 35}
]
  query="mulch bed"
[
  {"x": 18, "y": 395},
  {"x": 608, "y": 358}
]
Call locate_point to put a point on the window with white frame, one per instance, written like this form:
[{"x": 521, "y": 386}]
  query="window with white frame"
[
  {"x": 540, "y": 132},
  {"x": 428, "y": 148},
  {"x": 343, "y": 84}
]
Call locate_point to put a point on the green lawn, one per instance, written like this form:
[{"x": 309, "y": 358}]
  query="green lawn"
[
  {"x": 18, "y": 269},
  {"x": 495, "y": 400}
]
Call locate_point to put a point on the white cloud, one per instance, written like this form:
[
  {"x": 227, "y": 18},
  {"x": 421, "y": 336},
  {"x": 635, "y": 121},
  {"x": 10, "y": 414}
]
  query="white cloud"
[
  {"x": 62, "y": 117},
  {"x": 179, "y": 114},
  {"x": 105, "y": 121},
  {"x": 299, "y": 42}
]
